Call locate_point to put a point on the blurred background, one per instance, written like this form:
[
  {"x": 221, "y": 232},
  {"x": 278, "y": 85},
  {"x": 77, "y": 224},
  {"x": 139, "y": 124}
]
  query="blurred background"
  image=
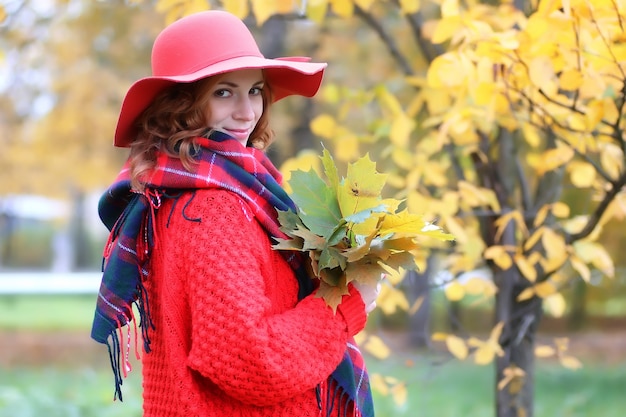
[{"x": 65, "y": 66}]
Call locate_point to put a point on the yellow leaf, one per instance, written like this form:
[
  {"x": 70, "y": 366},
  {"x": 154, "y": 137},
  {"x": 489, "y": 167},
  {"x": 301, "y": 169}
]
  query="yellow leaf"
[
  {"x": 612, "y": 159},
  {"x": 346, "y": 146},
  {"x": 377, "y": 382},
  {"x": 364, "y": 4},
  {"x": 446, "y": 28},
  {"x": 416, "y": 305},
  {"x": 545, "y": 289},
  {"x": 534, "y": 238},
  {"x": 541, "y": 73},
  {"x": 401, "y": 128},
  {"x": 582, "y": 174},
  {"x": 526, "y": 294},
  {"x": 570, "y": 362},
  {"x": 526, "y": 268},
  {"x": 240, "y": 9},
  {"x": 377, "y": 348},
  {"x": 581, "y": 268},
  {"x": 324, "y": 126},
  {"x": 316, "y": 10},
  {"x": 409, "y": 6},
  {"x": 457, "y": 347},
  {"x": 454, "y": 291},
  {"x": 361, "y": 188},
  {"x": 399, "y": 393},
  {"x": 3, "y": 14},
  {"x": 544, "y": 351},
  {"x": 484, "y": 355},
  {"x": 510, "y": 373},
  {"x": 555, "y": 305},
  {"x": 554, "y": 158},
  {"x": 343, "y": 8},
  {"x": 439, "y": 336},
  {"x": 391, "y": 299},
  {"x": 570, "y": 80},
  {"x": 450, "y": 8},
  {"x": 388, "y": 101},
  {"x": 554, "y": 244},
  {"x": 499, "y": 255},
  {"x": 560, "y": 210},
  {"x": 530, "y": 134},
  {"x": 542, "y": 213}
]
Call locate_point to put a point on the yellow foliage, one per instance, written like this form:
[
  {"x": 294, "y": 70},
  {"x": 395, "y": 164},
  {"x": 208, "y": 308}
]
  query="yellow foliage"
[
  {"x": 399, "y": 393},
  {"x": 555, "y": 305},
  {"x": 582, "y": 174},
  {"x": 510, "y": 374},
  {"x": 343, "y": 8},
  {"x": 324, "y": 125},
  {"x": 544, "y": 351},
  {"x": 499, "y": 255},
  {"x": 570, "y": 362},
  {"x": 457, "y": 347},
  {"x": 376, "y": 347},
  {"x": 391, "y": 299},
  {"x": 410, "y": 6},
  {"x": 454, "y": 291},
  {"x": 241, "y": 9},
  {"x": 526, "y": 268}
]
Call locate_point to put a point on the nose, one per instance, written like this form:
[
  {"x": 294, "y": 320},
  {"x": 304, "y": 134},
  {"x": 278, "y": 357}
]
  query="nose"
[{"x": 244, "y": 109}]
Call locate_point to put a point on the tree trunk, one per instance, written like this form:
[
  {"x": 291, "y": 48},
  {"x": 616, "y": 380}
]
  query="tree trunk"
[
  {"x": 521, "y": 321},
  {"x": 419, "y": 322},
  {"x": 78, "y": 233}
]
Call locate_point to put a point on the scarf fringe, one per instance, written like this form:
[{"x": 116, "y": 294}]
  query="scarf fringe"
[{"x": 331, "y": 397}]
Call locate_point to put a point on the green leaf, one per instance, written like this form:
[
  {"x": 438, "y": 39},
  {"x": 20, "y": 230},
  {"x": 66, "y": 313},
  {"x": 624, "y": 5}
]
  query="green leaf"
[
  {"x": 366, "y": 271},
  {"x": 289, "y": 244},
  {"x": 330, "y": 170},
  {"x": 330, "y": 258},
  {"x": 333, "y": 293},
  {"x": 405, "y": 260},
  {"x": 364, "y": 215},
  {"x": 311, "y": 241},
  {"x": 288, "y": 221},
  {"x": 317, "y": 203}
]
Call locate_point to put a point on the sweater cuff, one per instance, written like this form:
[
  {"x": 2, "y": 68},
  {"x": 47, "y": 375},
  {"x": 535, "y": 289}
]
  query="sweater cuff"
[{"x": 352, "y": 309}]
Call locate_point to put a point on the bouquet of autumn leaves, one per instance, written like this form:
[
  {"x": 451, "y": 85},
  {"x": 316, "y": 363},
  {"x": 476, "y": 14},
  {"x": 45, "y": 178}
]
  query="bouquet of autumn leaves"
[{"x": 349, "y": 231}]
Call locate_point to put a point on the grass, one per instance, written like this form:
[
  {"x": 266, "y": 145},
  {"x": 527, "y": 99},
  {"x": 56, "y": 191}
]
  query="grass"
[
  {"x": 452, "y": 389},
  {"x": 45, "y": 312}
]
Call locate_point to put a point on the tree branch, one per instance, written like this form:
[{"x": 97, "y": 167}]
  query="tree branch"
[
  {"x": 392, "y": 47},
  {"x": 599, "y": 211}
]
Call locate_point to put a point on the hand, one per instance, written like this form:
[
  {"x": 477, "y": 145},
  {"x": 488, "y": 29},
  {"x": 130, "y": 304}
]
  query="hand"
[{"x": 369, "y": 294}]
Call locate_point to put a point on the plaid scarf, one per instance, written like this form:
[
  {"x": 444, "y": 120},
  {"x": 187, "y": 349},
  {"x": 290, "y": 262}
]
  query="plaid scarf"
[{"x": 221, "y": 163}]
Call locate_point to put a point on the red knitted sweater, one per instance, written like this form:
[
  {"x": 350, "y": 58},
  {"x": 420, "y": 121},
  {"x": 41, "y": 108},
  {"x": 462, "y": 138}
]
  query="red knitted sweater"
[{"x": 230, "y": 338}]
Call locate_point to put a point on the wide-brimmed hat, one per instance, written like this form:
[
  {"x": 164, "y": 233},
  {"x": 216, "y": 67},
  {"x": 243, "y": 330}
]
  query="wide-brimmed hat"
[{"x": 206, "y": 44}]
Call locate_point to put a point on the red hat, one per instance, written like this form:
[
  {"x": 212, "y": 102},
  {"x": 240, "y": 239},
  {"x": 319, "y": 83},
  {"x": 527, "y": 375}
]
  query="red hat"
[{"x": 206, "y": 44}]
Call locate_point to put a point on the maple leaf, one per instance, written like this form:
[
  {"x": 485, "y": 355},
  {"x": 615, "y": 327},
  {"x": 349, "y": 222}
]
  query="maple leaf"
[
  {"x": 348, "y": 230},
  {"x": 332, "y": 294},
  {"x": 317, "y": 203}
]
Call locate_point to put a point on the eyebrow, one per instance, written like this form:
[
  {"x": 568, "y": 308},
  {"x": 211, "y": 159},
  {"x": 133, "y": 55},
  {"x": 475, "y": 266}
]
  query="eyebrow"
[{"x": 231, "y": 84}]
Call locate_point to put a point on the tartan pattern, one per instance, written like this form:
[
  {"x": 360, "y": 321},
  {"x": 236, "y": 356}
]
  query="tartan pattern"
[{"x": 222, "y": 163}]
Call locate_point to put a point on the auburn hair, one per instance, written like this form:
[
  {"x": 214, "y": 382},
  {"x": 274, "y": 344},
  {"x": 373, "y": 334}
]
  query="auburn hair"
[{"x": 174, "y": 119}]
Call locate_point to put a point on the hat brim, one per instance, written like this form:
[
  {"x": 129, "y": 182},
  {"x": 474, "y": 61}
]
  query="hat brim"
[{"x": 285, "y": 76}]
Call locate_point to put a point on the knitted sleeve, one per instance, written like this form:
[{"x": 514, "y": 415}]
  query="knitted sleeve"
[{"x": 249, "y": 337}]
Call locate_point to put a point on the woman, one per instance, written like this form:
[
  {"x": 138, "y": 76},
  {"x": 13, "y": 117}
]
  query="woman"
[{"x": 230, "y": 327}]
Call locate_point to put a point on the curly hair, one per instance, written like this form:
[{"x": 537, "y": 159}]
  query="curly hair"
[{"x": 174, "y": 118}]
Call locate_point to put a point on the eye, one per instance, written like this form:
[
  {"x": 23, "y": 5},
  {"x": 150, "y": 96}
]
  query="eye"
[
  {"x": 222, "y": 92},
  {"x": 255, "y": 91}
]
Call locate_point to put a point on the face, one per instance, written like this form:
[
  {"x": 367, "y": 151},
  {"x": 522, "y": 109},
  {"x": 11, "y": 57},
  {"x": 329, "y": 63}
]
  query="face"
[{"x": 235, "y": 103}]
